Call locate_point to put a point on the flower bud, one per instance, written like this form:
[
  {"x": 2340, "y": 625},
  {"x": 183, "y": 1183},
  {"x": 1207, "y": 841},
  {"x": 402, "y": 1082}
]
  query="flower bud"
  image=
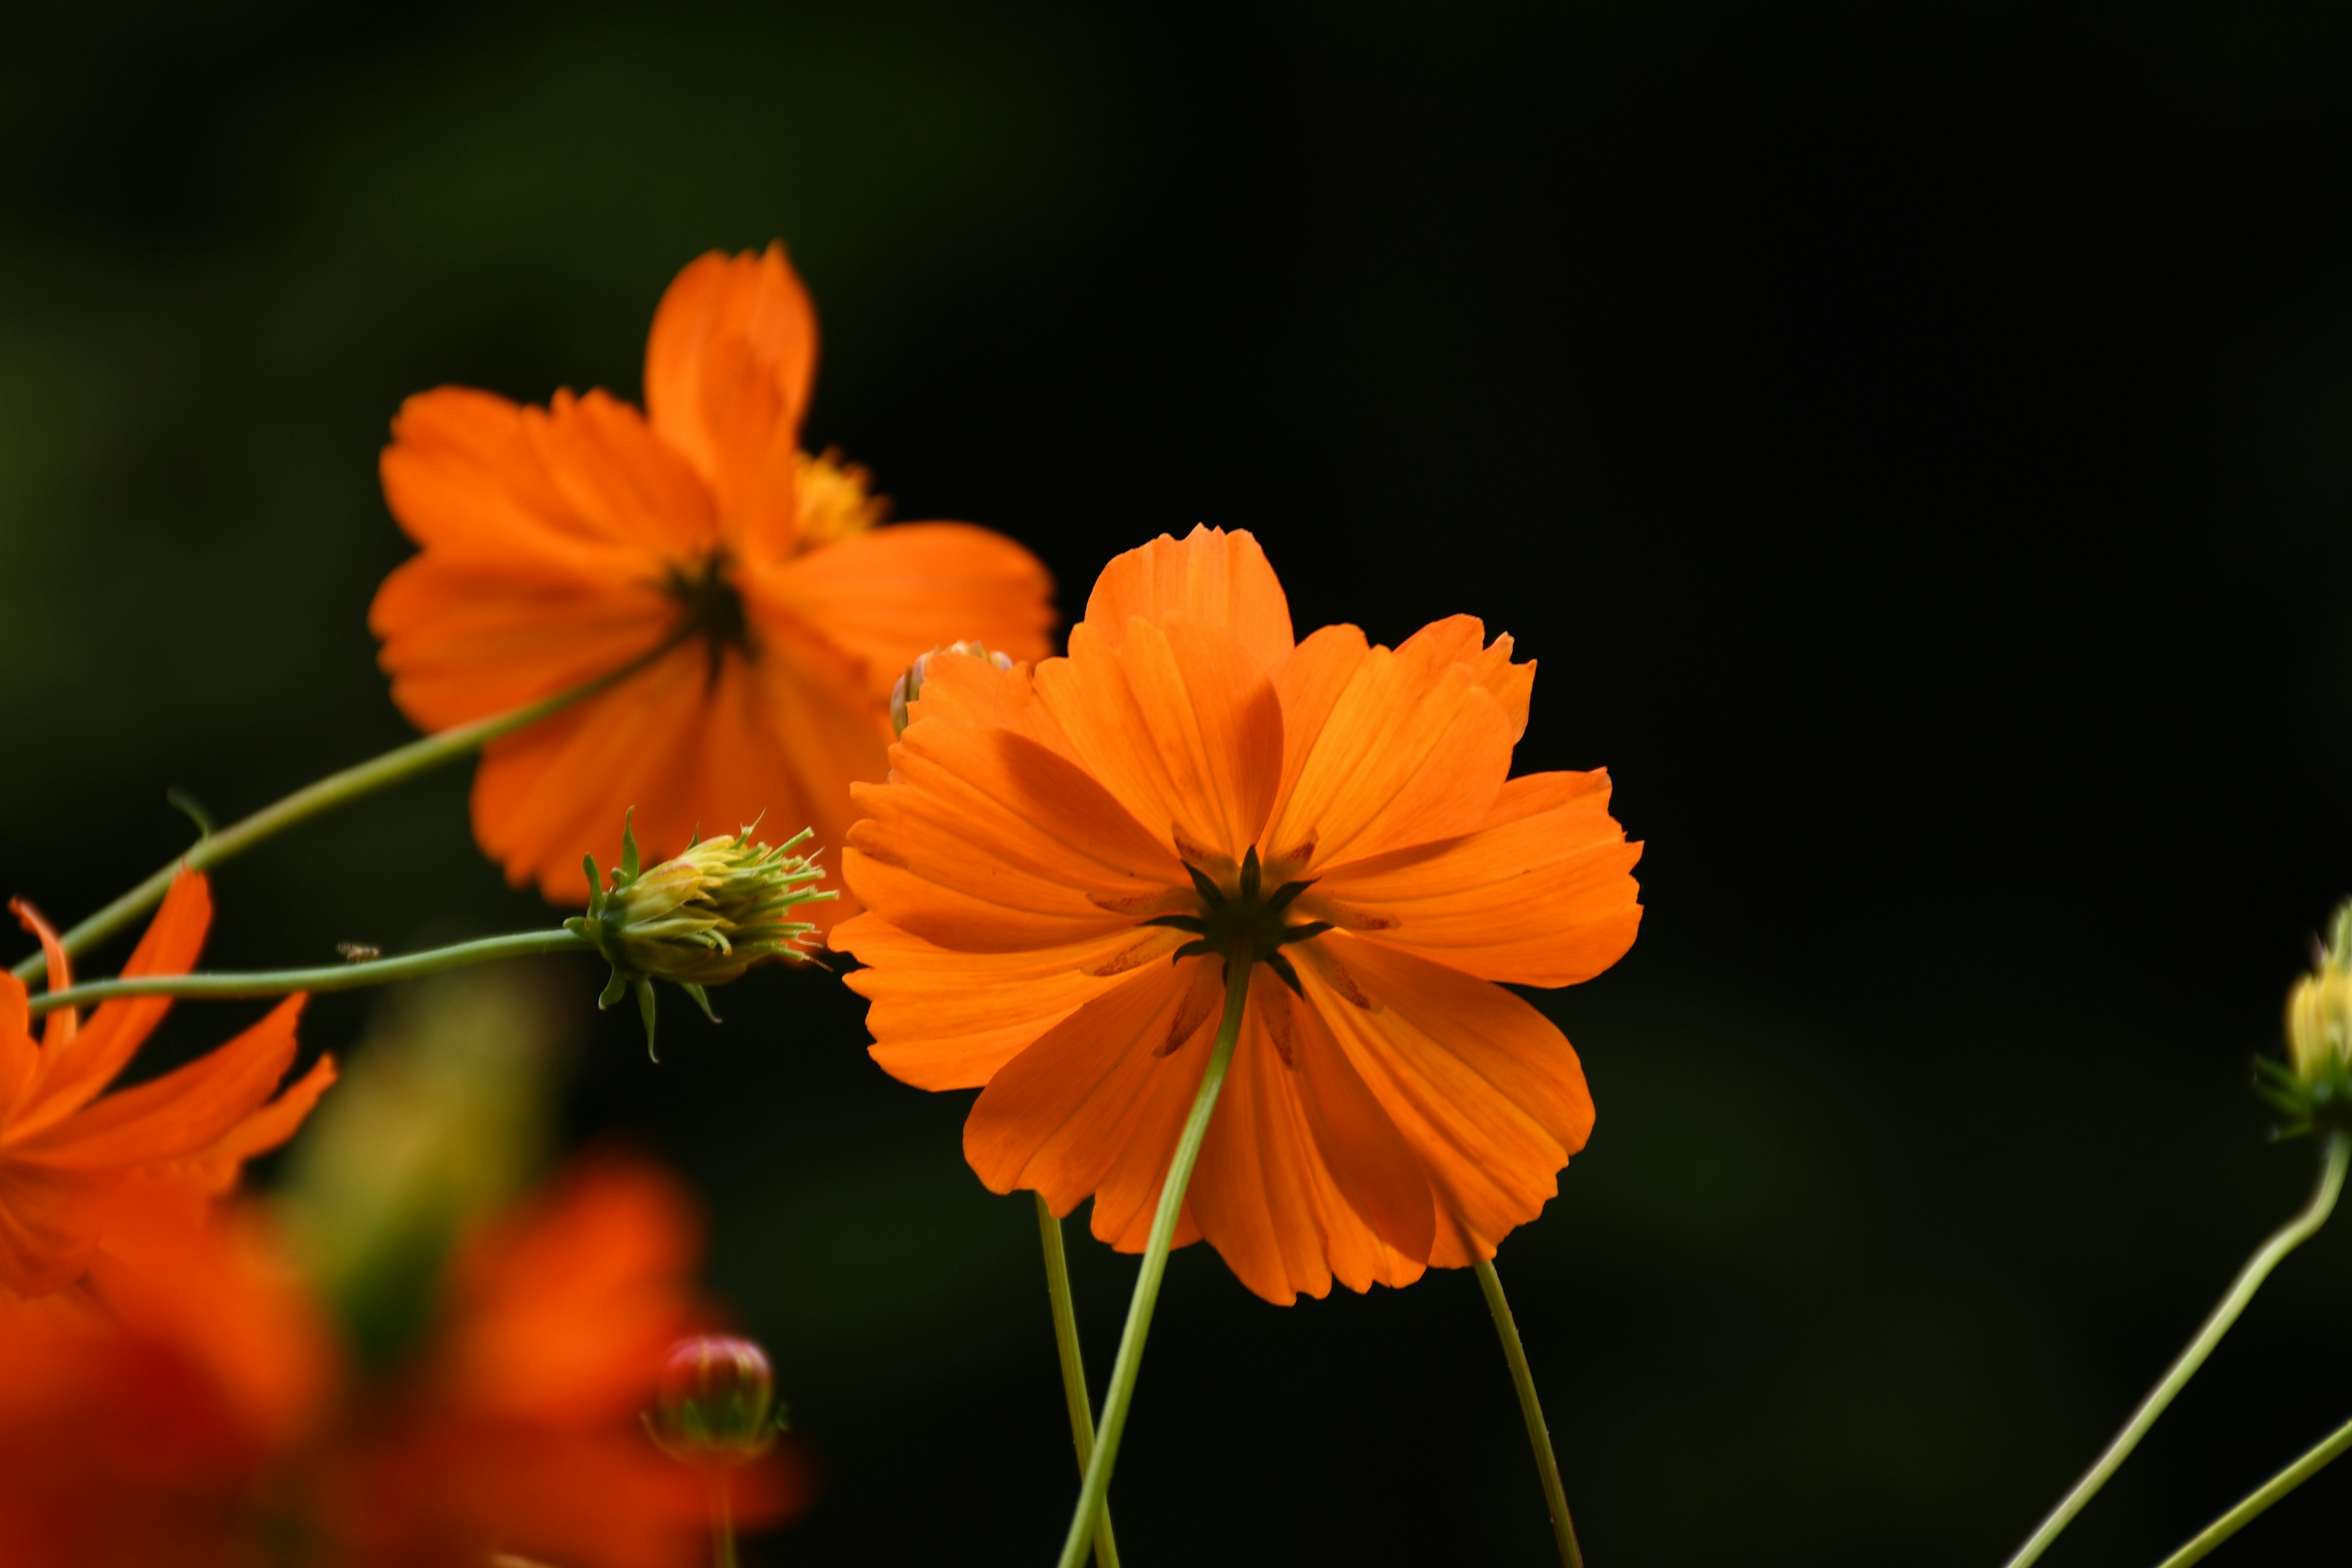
[
  {"x": 700, "y": 918},
  {"x": 2313, "y": 1089},
  {"x": 911, "y": 685},
  {"x": 715, "y": 1405}
]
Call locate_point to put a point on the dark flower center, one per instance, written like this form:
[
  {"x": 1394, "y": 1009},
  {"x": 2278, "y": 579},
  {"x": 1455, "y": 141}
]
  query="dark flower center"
[
  {"x": 1247, "y": 924},
  {"x": 710, "y": 605}
]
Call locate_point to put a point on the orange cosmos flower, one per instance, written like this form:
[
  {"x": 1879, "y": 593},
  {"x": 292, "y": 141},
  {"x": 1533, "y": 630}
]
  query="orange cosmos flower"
[
  {"x": 1061, "y": 856},
  {"x": 67, "y": 1150},
  {"x": 559, "y": 544}
]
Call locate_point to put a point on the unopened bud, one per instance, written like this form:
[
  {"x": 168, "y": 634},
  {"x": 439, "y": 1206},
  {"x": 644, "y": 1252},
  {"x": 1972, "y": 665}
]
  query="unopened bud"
[
  {"x": 700, "y": 918},
  {"x": 911, "y": 685},
  {"x": 2314, "y": 1088},
  {"x": 716, "y": 1403}
]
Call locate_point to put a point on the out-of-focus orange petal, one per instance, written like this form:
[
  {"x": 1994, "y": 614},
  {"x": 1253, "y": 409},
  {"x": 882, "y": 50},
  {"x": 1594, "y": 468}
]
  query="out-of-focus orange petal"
[
  {"x": 1543, "y": 896},
  {"x": 71, "y": 1076},
  {"x": 889, "y": 595},
  {"x": 945, "y": 1019},
  {"x": 728, "y": 368},
  {"x": 1486, "y": 1091},
  {"x": 1407, "y": 754},
  {"x": 1217, "y": 578},
  {"x": 1178, "y": 722},
  {"x": 50, "y": 1224}
]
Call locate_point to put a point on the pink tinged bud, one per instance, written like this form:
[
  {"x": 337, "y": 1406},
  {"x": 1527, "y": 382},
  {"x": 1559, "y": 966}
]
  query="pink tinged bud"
[{"x": 715, "y": 1403}]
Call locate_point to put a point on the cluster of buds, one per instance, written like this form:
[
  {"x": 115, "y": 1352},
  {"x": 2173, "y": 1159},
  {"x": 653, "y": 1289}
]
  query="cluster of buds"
[
  {"x": 911, "y": 685},
  {"x": 714, "y": 1407},
  {"x": 2312, "y": 1090},
  {"x": 699, "y": 920}
]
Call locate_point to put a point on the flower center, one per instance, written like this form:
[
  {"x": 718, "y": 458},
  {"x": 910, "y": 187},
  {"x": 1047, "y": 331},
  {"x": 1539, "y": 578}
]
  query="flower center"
[
  {"x": 832, "y": 500},
  {"x": 1247, "y": 923},
  {"x": 710, "y": 605}
]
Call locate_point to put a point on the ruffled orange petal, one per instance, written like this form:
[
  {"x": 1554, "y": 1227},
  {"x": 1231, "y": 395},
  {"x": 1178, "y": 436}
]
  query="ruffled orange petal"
[
  {"x": 173, "y": 1117},
  {"x": 1217, "y": 578},
  {"x": 1408, "y": 753},
  {"x": 1179, "y": 723},
  {"x": 1303, "y": 1176},
  {"x": 944, "y": 1019},
  {"x": 1544, "y": 896},
  {"x": 974, "y": 693},
  {"x": 215, "y": 1170},
  {"x": 889, "y": 595},
  {"x": 1462, "y": 639},
  {"x": 1484, "y": 1089},
  {"x": 71, "y": 1076},
  {"x": 728, "y": 368}
]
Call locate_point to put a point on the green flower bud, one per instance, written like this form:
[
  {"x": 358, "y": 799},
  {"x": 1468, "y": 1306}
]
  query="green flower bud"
[
  {"x": 700, "y": 918},
  {"x": 2312, "y": 1088},
  {"x": 911, "y": 685},
  {"x": 716, "y": 1402}
]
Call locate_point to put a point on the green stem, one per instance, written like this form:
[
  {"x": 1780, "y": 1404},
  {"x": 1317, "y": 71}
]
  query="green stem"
[
  {"x": 2277, "y": 1487},
  {"x": 1539, "y": 1435},
  {"x": 1074, "y": 1367},
  {"x": 336, "y": 789},
  {"x": 722, "y": 1522},
  {"x": 1155, "y": 1263},
  {"x": 2242, "y": 1290},
  {"x": 335, "y": 978}
]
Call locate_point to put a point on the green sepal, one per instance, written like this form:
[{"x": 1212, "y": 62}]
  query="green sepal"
[
  {"x": 614, "y": 989},
  {"x": 701, "y": 999},
  {"x": 629, "y": 845},
  {"x": 645, "y": 1010}
]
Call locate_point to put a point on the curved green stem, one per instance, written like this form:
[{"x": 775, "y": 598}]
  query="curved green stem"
[
  {"x": 336, "y": 789},
  {"x": 1155, "y": 1264},
  {"x": 1074, "y": 1367},
  {"x": 335, "y": 978},
  {"x": 1539, "y": 1435},
  {"x": 2242, "y": 1290},
  {"x": 2270, "y": 1491}
]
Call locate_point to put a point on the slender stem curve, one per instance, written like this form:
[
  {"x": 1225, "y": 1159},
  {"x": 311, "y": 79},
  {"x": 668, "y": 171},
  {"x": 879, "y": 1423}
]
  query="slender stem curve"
[
  {"x": 1155, "y": 1263},
  {"x": 1563, "y": 1529},
  {"x": 2283, "y": 1240},
  {"x": 336, "y": 789},
  {"x": 335, "y": 978},
  {"x": 1074, "y": 1367},
  {"x": 722, "y": 1519},
  {"x": 2313, "y": 1461}
]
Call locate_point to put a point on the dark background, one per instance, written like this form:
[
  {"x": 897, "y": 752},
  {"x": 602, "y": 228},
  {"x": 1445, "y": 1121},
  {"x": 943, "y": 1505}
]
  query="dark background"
[{"x": 1915, "y": 445}]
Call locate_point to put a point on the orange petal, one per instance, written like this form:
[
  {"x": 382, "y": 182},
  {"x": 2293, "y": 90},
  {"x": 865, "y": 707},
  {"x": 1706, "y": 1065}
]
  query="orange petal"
[
  {"x": 19, "y": 1056},
  {"x": 1462, "y": 639},
  {"x": 50, "y": 1224},
  {"x": 945, "y": 1019},
  {"x": 974, "y": 693},
  {"x": 63, "y": 1021},
  {"x": 1179, "y": 723},
  {"x": 71, "y": 1078},
  {"x": 1488, "y": 1093},
  {"x": 214, "y": 1171},
  {"x": 1408, "y": 754},
  {"x": 728, "y": 368},
  {"x": 173, "y": 1117},
  {"x": 889, "y": 595},
  {"x": 1217, "y": 578},
  {"x": 1544, "y": 898}
]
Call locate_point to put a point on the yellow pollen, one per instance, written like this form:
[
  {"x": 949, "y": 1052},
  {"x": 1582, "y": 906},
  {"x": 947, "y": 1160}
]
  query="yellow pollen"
[{"x": 833, "y": 498}]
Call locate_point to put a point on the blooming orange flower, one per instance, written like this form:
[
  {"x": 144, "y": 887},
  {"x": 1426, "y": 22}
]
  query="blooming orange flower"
[
  {"x": 559, "y": 544},
  {"x": 206, "y": 1414},
  {"x": 1060, "y": 854},
  {"x": 67, "y": 1150}
]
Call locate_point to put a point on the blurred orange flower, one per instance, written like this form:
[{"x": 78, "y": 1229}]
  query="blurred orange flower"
[
  {"x": 1389, "y": 1106},
  {"x": 67, "y": 1151},
  {"x": 205, "y": 1413},
  {"x": 559, "y": 544}
]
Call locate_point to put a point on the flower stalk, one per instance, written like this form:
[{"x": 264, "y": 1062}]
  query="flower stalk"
[
  {"x": 2313, "y": 1461},
  {"x": 1074, "y": 1367},
  {"x": 1155, "y": 1262},
  {"x": 2285, "y": 1239},
  {"x": 334, "y": 977},
  {"x": 396, "y": 766},
  {"x": 1563, "y": 1529}
]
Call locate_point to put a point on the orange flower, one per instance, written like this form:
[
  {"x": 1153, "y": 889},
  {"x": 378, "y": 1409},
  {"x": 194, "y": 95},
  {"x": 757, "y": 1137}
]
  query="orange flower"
[
  {"x": 559, "y": 544},
  {"x": 1389, "y": 1106},
  {"x": 67, "y": 1151}
]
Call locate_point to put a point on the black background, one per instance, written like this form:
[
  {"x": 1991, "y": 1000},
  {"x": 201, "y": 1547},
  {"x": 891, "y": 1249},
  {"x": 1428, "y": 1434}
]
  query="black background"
[{"x": 1913, "y": 441}]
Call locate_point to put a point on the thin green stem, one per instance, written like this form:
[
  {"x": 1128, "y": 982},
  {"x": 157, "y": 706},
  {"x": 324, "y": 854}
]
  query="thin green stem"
[
  {"x": 1539, "y": 1435},
  {"x": 1074, "y": 1367},
  {"x": 2242, "y": 1290},
  {"x": 335, "y": 978},
  {"x": 722, "y": 1521},
  {"x": 352, "y": 784},
  {"x": 1155, "y": 1263},
  {"x": 2270, "y": 1491}
]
